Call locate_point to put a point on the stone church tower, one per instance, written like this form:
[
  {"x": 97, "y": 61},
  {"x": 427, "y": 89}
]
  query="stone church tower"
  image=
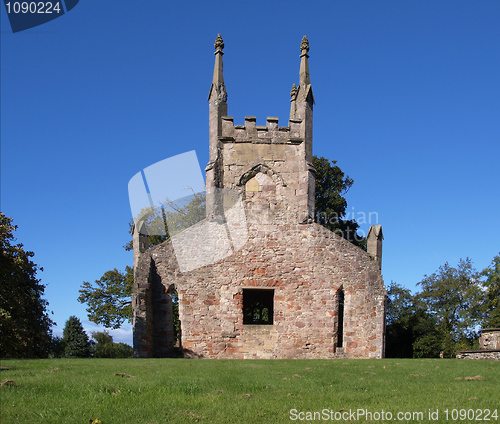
[{"x": 289, "y": 287}]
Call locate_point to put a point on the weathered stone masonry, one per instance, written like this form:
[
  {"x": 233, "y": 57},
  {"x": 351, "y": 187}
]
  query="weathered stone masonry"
[
  {"x": 489, "y": 346},
  {"x": 326, "y": 297}
]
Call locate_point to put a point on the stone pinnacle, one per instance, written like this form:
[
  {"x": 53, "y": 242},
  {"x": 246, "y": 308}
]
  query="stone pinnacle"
[
  {"x": 304, "y": 45},
  {"x": 219, "y": 44}
]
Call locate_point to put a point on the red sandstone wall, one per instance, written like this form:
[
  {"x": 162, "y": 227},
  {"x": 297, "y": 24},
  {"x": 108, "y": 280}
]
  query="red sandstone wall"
[{"x": 305, "y": 265}]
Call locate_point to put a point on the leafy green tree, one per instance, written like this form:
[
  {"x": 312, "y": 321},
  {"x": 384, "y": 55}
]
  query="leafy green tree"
[
  {"x": 399, "y": 334},
  {"x": 331, "y": 186},
  {"x": 443, "y": 318},
  {"x": 170, "y": 218},
  {"x": 56, "y": 347},
  {"x": 75, "y": 339},
  {"x": 429, "y": 342},
  {"x": 123, "y": 350},
  {"x": 108, "y": 300},
  {"x": 400, "y": 303},
  {"x": 184, "y": 213},
  {"x": 490, "y": 304},
  {"x": 451, "y": 295},
  {"x": 411, "y": 331},
  {"x": 104, "y": 347},
  {"x": 25, "y": 325}
]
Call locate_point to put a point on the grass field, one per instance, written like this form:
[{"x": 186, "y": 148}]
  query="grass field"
[{"x": 158, "y": 391}]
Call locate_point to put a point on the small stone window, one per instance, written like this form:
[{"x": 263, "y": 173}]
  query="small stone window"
[{"x": 258, "y": 306}]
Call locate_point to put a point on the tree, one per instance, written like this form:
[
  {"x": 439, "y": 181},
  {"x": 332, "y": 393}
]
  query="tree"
[
  {"x": 490, "y": 304},
  {"x": 399, "y": 334},
  {"x": 170, "y": 218},
  {"x": 411, "y": 331},
  {"x": 104, "y": 347},
  {"x": 108, "y": 300},
  {"x": 443, "y": 318},
  {"x": 331, "y": 186},
  {"x": 25, "y": 325},
  {"x": 75, "y": 339},
  {"x": 123, "y": 350},
  {"x": 56, "y": 347},
  {"x": 451, "y": 296},
  {"x": 429, "y": 340}
]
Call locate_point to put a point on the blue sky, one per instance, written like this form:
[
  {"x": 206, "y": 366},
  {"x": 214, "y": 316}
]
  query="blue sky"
[{"x": 407, "y": 101}]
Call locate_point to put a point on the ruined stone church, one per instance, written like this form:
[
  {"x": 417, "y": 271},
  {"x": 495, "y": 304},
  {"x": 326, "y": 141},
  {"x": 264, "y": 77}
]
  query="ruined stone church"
[{"x": 290, "y": 288}]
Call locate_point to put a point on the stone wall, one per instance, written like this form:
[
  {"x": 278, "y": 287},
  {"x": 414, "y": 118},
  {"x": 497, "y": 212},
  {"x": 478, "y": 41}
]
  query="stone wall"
[
  {"x": 305, "y": 265},
  {"x": 489, "y": 339},
  {"x": 479, "y": 354}
]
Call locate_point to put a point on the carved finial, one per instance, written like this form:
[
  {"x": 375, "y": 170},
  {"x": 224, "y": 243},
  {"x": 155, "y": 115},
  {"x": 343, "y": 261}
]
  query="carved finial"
[
  {"x": 304, "y": 45},
  {"x": 293, "y": 106},
  {"x": 219, "y": 44}
]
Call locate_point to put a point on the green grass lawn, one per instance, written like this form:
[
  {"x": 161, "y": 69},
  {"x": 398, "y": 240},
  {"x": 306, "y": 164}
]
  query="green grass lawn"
[{"x": 158, "y": 391}]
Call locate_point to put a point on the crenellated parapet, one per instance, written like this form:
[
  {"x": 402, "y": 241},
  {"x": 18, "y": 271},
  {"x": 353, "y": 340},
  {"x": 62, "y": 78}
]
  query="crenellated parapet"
[
  {"x": 271, "y": 133},
  {"x": 284, "y": 151}
]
